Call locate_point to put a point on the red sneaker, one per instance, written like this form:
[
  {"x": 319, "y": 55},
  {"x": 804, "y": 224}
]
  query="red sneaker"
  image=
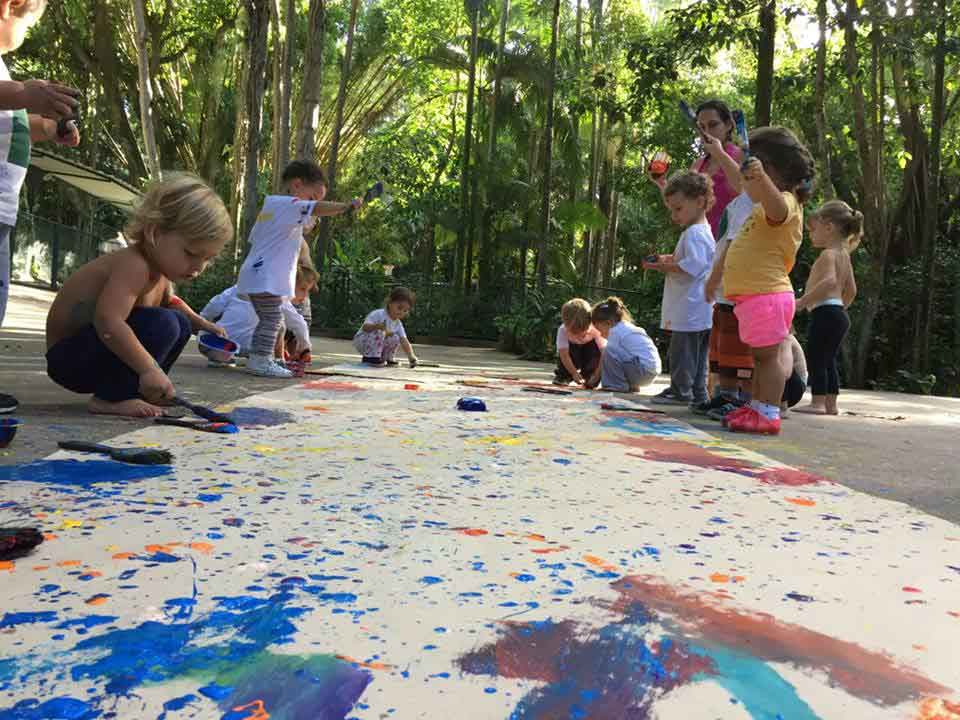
[
  {"x": 735, "y": 413},
  {"x": 753, "y": 422}
]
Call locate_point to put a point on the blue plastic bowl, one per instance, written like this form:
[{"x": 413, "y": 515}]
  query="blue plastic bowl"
[
  {"x": 471, "y": 404},
  {"x": 217, "y": 348},
  {"x": 8, "y": 430}
]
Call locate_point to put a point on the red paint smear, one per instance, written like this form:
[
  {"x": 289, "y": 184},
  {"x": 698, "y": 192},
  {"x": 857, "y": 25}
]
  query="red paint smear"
[
  {"x": 677, "y": 451},
  {"x": 331, "y": 385},
  {"x": 667, "y": 450},
  {"x": 473, "y": 532},
  {"x": 869, "y": 675},
  {"x": 907, "y": 588}
]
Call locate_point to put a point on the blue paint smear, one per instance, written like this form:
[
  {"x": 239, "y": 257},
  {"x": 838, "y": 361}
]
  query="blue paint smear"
[
  {"x": 425, "y": 580},
  {"x": 63, "y": 708},
  {"x": 12, "y": 619},
  {"x": 641, "y": 426},
  {"x": 87, "y": 621},
  {"x": 215, "y": 692},
  {"x": 763, "y": 692},
  {"x": 525, "y": 578},
  {"x": 254, "y": 416},
  {"x": 176, "y": 704},
  {"x": 81, "y": 473},
  {"x": 209, "y": 497}
]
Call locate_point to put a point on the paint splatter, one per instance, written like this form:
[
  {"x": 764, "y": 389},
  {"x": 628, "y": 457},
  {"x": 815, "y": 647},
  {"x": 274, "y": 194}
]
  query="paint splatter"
[
  {"x": 82, "y": 474},
  {"x": 260, "y": 417}
]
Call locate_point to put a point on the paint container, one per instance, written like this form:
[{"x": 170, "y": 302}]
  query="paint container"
[
  {"x": 8, "y": 430},
  {"x": 217, "y": 348},
  {"x": 411, "y": 386},
  {"x": 471, "y": 404}
]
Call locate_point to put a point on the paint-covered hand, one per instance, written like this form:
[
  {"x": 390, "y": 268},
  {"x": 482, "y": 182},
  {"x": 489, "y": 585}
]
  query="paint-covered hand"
[
  {"x": 753, "y": 173},
  {"x": 156, "y": 387},
  {"x": 215, "y": 329},
  {"x": 70, "y": 137}
]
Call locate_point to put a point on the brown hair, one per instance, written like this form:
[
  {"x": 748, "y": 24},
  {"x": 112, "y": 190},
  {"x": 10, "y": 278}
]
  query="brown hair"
[
  {"x": 847, "y": 220},
  {"x": 722, "y": 110},
  {"x": 779, "y": 149},
  {"x": 184, "y": 204},
  {"x": 692, "y": 185},
  {"x": 576, "y": 314},
  {"x": 611, "y": 310},
  {"x": 307, "y": 274},
  {"x": 305, "y": 170},
  {"x": 401, "y": 294}
]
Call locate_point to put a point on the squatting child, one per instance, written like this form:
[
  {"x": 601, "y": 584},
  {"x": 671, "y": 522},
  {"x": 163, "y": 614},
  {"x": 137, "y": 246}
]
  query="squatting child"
[
  {"x": 382, "y": 331},
  {"x": 579, "y": 346},
  {"x": 630, "y": 359}
]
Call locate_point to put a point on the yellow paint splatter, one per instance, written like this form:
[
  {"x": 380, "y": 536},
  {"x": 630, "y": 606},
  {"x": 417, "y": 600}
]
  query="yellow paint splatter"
[{"x": 69, "y": 523}]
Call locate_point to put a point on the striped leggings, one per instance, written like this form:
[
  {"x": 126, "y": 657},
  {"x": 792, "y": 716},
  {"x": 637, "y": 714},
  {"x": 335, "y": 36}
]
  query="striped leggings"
[{"x": 264, "y": 338}]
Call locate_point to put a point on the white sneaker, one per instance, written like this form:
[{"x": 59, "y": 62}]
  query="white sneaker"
[{"x": 264, "y": 366}]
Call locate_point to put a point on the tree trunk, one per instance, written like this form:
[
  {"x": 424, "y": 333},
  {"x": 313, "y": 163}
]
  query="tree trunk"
[
  {"x": 283, "y": 20},
  {"x": 575, "y": 177},
  {"x": 240, "y": 131},
  {"x": 465, "y": 231},
  {"x": 548, "y": 151},
  {"x": 258, "y": 25},
  {"x": 931, "y": 225},
  {"x": 337, "y": 129},
  {"x": 820, "y": 113},
  {"x": 766, "y": 49},
  {"x": 312, "y": 82},
  {"x": 142, "y": 39},
  {"x": 212, "y": 135}
]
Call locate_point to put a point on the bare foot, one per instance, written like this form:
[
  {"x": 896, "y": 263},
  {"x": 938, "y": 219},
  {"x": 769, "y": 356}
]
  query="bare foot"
[
  {"x": 811, "y": 410},
  {"x": 127, "y": 408},
  {"x": 831, "y": 405}
]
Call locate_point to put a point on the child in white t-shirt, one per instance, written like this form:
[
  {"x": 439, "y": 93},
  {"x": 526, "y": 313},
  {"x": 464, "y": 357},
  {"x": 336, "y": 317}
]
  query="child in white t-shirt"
[
  {"x": 238, "y": 318},
  {"x": 579, "y": 346},
  {"x": 382, "y": 331},
  {"x": 268, "y": 275},
  {"x": 630, "y": 359},
  {"x": 685, "y": 311}
]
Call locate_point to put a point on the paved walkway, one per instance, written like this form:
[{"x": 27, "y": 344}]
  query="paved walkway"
[{"x": 900, "y": 447}]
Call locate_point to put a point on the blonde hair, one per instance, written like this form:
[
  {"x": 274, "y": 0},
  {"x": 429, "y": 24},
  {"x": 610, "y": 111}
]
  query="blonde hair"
[
  {"x": 184, "y": 204},
  {"x": 307, "y": 274},
  {"x": 692, "y": 185},
  {"x": 611, "y": 310},
  {"x": 576, "y": 314},
  {"x": 847, "y": 220}
]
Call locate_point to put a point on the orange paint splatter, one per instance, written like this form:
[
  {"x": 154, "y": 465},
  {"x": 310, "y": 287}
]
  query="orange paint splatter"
[
  {"x": 7, "y": 565},
  {"x": 804, "y": 502},
  {"x": 719, "y": 578},
  {"x": 599, "y": 562},
  {"x": 97, "y": 600},
  {"x": 49, "y": 536},
  {"x": 536, "y": 537},
  {"x": 473, "y": 532},
  {"x": 316, "y": 408},
  {"x": 921, "y": 648},
  {"x": 203, "y": 547},
  {"x": 41, "y": 567},
  {"x": 158, "y": 548},
  {"x": 937, "y": 709},
  {"x": 68, "y": 563},
  {"x": 361, "y": 663},
  {"x": 545, "y": 551},
  {"x": 92, "y": 573},
  {"x": 124, "y": 555},
  {"x": 257, "y": 711},
  {"x": 331, "y": 385}
]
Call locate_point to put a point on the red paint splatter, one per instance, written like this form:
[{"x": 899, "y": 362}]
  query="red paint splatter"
[
  {"x": 331, "y": 385},
  {"x": 907, "y": 588},
  {"x": 869, "y": 675},
  {"x": 472, "y": 532},
  {"x": 789, "y": 477},
  {"x": 677, "y": 451}
]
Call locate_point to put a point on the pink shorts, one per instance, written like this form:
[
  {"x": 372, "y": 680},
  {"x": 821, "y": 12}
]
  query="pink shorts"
[{"x": 765, "y": 320}]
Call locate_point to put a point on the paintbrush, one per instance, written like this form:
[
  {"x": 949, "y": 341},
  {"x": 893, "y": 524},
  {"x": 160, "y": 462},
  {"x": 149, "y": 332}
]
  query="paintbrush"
[
  {"x": 137, "y": 456},
  {"x": 201, "y": 411},
  {"x": 201, "y": 425},
  {"x": 611, "y": 407},
  {"x": 547, "y": 390}
]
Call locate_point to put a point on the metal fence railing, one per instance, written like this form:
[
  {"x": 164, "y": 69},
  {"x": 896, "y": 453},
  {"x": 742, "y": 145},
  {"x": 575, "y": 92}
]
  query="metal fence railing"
[{"x": 47, "y": 252}]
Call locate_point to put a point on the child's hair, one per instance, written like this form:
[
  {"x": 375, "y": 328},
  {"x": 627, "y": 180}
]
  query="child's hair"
[
  {"x": 692, "y": 185},
  {"x": 307, "y": 274},
  {"x": 401, "y": 294},
  {"x": 305, "y": 170},
  {"x": 721, "y": 109},
  {"x": 576, "y": 314},
  {"x": 847, "y": 220},
  {"x": 779, "y": 149},
  {"x": 184, "y": 204},
  {"x": 611, "y": 310}
]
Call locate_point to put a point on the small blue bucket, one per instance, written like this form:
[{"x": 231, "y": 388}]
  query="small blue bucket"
[
  {"x": 217, "y": 348},
  {"x": 8, "y": 430},
  {"x": 471, "y": 404}
]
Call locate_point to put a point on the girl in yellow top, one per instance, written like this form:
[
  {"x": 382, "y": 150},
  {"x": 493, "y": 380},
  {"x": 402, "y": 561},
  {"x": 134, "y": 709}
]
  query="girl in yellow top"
[{"x": 756, "y": 275}]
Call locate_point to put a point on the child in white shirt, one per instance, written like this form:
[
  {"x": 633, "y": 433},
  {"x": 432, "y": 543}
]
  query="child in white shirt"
[
  {"x": 686, "y": 312},
  {"x": 268, "y": 275},
  {"x": 239, "y": 319},
  {"x": 382, "y": 331},
  {"x": 630, "y": 359},
  {"x": 579, "y": 346}
]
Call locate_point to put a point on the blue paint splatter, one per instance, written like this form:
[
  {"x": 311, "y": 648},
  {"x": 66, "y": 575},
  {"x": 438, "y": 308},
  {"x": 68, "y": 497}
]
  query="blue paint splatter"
[
  {"x": 62, "y": 708},
  {"x": 799, "y": 597},
  {"x": 209, "y": 497},
  {"x": 430, "y": 580},
  {"x": 82, "y": 474},
  {"x": 525, "y": 577},
  {"x": 12, "y": 619},
  {"x": 254, "y": 416},
  {"x": 87, "y": 621}
]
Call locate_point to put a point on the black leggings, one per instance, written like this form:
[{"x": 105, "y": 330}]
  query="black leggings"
[
  {"x": 585, "y": 358},
  {"x": 828, "y": 327},
  {"x": 83, "y": 364}
]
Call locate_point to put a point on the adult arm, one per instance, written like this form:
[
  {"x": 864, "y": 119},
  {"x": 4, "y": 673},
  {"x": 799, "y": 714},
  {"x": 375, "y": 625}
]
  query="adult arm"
[
  {"x": 729, "y": 164},
  {"x": 39, "y": 96}
]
